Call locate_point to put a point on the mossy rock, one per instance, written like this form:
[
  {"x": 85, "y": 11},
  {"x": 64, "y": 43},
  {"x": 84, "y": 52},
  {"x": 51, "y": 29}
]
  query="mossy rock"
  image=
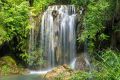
[
  {"x": 8, "y": 66},
  {"x": 59, "y": 73},
  {"x": 7, "y": 60}
]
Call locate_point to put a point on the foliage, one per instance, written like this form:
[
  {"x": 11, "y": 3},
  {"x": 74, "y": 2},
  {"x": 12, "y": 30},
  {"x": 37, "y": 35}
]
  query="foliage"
[
  {"x": 112, "y": 9},
  {"x": 6, "y": 65},
  {"x": 80, "y": 2},
  {"x": 14, "y": 22},
  {"x": 15, "y": 18},
  {"x": 59, "y": 77},
  {"x": 40, "y": 5},
  {"x": 108, "y": 68},
  {"x": 102, "y": 37},
  {"x": 34, "y": 58},
  {"x": 93, "y": 22},
  {"x": 94, "y": 18},
  {"x": 2, "y": 34},
  {"x": 80, "y": 75},
  {"x": 96, "y": 13},
  {"x": 5, "y": 69}
]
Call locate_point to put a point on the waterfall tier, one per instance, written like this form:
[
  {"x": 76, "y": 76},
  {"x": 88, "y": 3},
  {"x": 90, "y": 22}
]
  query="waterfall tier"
[{"x": 57, "y": 36}]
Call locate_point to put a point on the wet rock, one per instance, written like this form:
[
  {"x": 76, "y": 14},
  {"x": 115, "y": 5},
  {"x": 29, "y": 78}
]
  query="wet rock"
[
  {"x": 60, "y": 73},
  {"x": 8, "y": 66},
  {"x": 80, "y": 63},
  {"x": 54, "y": 14}
]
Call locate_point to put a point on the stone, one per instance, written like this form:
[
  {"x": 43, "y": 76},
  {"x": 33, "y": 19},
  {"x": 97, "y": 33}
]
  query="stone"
[
  {"x": 80, "y": 62},
  {"x": 8, "y": 66},
  {"x": 61, "y": 72}
]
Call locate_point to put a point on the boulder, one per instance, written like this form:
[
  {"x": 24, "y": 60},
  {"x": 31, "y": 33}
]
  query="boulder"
[
  {"x": 8, "y": 66},
  {"x": 80, "y": 63},
  {"x": 59, "y": 73}
]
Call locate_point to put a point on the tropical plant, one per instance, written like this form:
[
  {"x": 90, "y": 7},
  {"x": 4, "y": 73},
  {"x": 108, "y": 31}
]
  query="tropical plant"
[{"x": 41, "y": 5}]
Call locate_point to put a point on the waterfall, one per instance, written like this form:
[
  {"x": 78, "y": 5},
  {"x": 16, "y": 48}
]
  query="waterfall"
[{"x": 57, "y": 35}]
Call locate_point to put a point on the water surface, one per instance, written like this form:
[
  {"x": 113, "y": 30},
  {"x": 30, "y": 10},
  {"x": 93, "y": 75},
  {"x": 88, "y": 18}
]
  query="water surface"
[{"x": 22, "y": 77}]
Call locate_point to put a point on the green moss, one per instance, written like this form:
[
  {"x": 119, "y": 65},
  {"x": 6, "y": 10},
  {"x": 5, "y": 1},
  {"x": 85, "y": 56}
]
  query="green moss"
[
  {"x": 8, "y": 66},
  {"x": 8, "y": 60}
]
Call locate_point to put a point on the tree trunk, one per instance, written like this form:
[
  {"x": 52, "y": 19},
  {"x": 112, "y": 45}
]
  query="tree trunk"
[{"x": 31, "y": 2}]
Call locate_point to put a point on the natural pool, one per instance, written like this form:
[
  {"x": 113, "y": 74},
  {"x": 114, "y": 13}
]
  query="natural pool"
[{"x": 22, "y": 77}]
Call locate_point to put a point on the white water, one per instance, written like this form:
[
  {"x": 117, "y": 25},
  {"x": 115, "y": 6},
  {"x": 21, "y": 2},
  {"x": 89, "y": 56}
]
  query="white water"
[
  {"x": 72, "y": 64},
  {"x": 56, "y": 37},
  {"x": 40, "y": 71}
]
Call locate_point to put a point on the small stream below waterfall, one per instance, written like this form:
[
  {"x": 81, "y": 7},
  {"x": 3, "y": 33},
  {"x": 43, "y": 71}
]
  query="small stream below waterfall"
[
  {"x": 22, "y": 77},
  {"x": 33, "y": 75}
]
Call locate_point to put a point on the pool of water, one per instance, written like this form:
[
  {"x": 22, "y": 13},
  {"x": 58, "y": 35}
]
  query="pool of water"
[{"x": 22, "y": 77}]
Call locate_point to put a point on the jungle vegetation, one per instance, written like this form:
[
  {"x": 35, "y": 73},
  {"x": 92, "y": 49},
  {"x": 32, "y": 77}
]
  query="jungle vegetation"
[{"x": 100, "y": 24}]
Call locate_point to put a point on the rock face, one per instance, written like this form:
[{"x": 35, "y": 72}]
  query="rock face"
[
  {"x": 8, "y": 66},
  {"x": 59, "y": 73},
  {"x": 80, "y": 63}
]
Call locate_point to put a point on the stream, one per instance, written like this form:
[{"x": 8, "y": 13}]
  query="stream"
[{"x": 22, "y": 77}]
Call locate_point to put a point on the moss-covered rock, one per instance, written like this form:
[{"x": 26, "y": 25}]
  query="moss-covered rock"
[
  {"x": 60, "y": 73},
  {"x": 8, "y": 66}
]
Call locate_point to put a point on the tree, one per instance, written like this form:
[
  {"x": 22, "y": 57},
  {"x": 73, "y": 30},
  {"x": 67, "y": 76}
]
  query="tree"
[{"x": 31, "y": 2}]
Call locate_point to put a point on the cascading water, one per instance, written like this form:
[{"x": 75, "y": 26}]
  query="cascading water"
[{"x": 57, "y": 35}]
